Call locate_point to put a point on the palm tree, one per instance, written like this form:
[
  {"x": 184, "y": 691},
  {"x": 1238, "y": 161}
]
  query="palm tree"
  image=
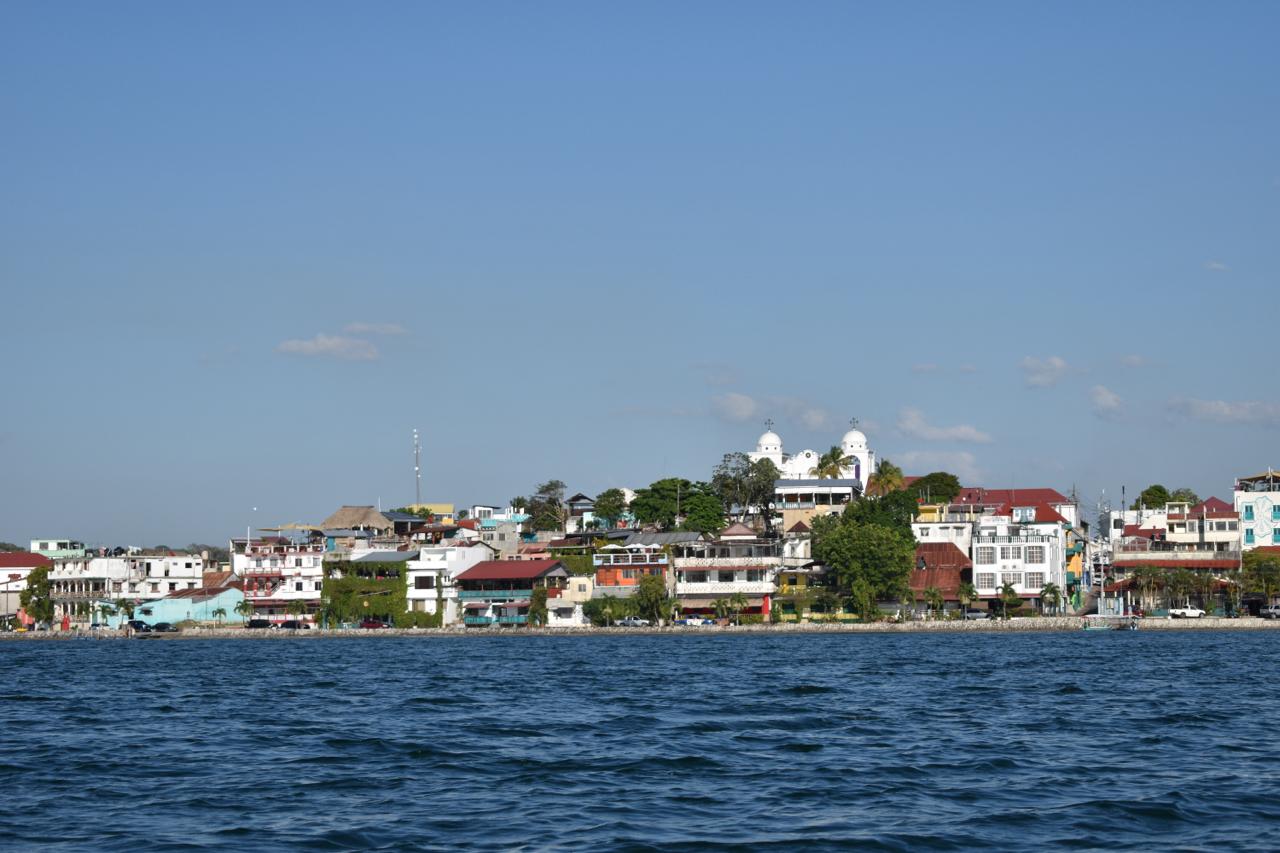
[
  {"x": 967, "y": 594},
  {"x": 675, "y": 610},
  {"x": 607, "y": 613},
  {"x": 831, "y": 464},
  {"x": 721, "y": 607},
  {"x": 124, "y": 607},
  {"x": 737, "y": 603},
  {"x": 1008, "y": 598},
  {"x": 244, "y": 608},
  {"x": 907, "y": 598},
  {"x": 934, "y": 600},
  {"x": 887, "y": 478},
  {"x": 105, "y": 611},
  {"x": 220, "y": 613},
  {"x": 1051, "y": 597}
]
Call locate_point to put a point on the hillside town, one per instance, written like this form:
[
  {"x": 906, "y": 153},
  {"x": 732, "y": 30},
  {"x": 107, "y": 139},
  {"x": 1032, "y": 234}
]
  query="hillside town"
[{"x": 770, "y": 537}]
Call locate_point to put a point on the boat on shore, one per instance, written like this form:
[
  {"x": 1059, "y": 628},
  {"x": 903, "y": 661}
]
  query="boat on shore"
[{"x": 1095, "y": 622}]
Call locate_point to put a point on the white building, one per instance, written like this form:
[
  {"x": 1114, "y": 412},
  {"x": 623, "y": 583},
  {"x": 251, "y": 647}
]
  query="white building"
[
  {"x": 736, "y": 562},
  {"x": 1257, "y": 500},
  {"x": 279, "y": 572},
  {"x": 802, "y": 465},
  {"x": 76, "y": 583},
  {"x": 1025, "y": 546},
  {"x": 430, "y": 578}
]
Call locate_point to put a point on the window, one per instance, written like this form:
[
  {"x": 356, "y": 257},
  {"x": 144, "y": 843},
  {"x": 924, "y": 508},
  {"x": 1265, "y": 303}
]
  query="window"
[
  {"x": 1248, "y": 536},
  {"x": 173, "y": 587},
  {"x": 582, "y": 587},
  {"x": 986, "y": 580},
  {"x": 725, "y": 577},
  {"x": 755, "y": 575},
  {"x": 1275, "y": 513},
  {"x": 1014, "y": 578},
  {"x": 297, "y": 586},
  {"x": 1035, "y": 580},
  {"x": 696, "y": 577},
  {"x": 1248, "y": 512},
  {"x": 318, "y": 586},
  {"x": 424, "y": 582},
  {"x": 188, "y": 565},
  {"x": 1011, "y": 552},
  {"x": 155, "y": 587},
  {"x": 1035, "y": 553},
  {"x": 985, "y": 555},
  {"x": 924, "y": 532},
  {"x": 1275, "y": 536},
  {"x": 297, "y": 562}
]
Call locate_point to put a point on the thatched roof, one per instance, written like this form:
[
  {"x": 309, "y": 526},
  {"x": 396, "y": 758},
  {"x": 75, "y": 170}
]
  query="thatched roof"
[{"x": 356, "y": 518}]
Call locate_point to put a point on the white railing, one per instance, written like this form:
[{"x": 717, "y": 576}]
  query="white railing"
[
  {"x": 726, "y": 588},
  {"x": 762, "y": 561},
  {"x": 629, "y": 559}
]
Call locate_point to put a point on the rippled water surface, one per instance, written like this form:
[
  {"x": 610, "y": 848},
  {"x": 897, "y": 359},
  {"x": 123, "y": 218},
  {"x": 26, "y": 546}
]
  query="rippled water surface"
[{"x": 884, "y": 741}]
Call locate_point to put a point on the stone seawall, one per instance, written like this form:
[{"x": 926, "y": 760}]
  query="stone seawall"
[{"x": 985, "y": 626}]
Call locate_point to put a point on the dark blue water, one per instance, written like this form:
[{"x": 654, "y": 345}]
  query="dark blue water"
[{"x": 904, "y": 742}]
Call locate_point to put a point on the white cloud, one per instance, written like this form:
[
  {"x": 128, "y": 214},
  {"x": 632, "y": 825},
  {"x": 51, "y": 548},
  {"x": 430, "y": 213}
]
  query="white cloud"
[
  {"x": 927, "y": 367},
  {"x": 375, "y": 329},
  {"x": 331, "y": 346},
  {"x": 1106, "y": 403},
  {"x": 962, "y": 463},
  {"x": 1252, "y": 412},
  {"x": 735, "y": 407},
  {"x": 911, "y": 422},
  {"x": 1216, "y": 266},
  {"x": 1043, "y": 372},
  {"x": 1134, "y": 360}
]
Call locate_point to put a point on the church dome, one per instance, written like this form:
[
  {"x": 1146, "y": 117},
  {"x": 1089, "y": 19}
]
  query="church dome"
[
  {"x": 768, "y": 441},
  {"x": 854, "y": 440}
]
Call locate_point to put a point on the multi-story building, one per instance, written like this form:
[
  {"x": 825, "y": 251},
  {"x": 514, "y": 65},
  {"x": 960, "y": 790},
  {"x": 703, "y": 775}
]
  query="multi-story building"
[
  {"x": 77, "y": 584},
  {"x": 15, "y": 566},
  {"x": 619, "y": 568},
  {"x": 1021, "y": 545},
  {"x": 499, "y": 592},
  {"x": 58, "y": 549},
  {"x": 432, "y": 574},
  {"x": 947, "y": 523},
  {"x": 736, "y": 562},
  {"x": 279, "y": 572},
  {"x": 1257, "y": 500},
  {"x": 800, "y": 500}
]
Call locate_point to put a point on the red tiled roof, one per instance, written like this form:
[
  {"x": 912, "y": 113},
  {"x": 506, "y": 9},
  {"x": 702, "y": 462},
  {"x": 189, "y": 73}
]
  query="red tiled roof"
[
  {"x": 469, "y": 523},
  {"x": 1143, "y": 532},
  {"x": 23, "y": 560},
  {"x": 944, "y": 567},
  {"x": 737, "y": 529},
  {"x": 493, "y": 570},
  {"x": 1017, "y": 497},
  {"x": 798, "y": 527}
]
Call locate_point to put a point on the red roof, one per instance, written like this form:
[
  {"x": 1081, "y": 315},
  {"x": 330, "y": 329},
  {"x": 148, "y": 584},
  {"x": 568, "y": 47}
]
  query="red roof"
[
  {"x": 944, "y": 567},
  {"x": 495, "y": 570},
  {"x": 23, "y": 560},
  {"x": 1212, "y": 505},
  {"x": 469, "y": 523},
  {"x": 798, "y": 527},
  {"x": 737, "y": 529},
  {"x": 1143, "y": 532},
  {"x": 1017, "y": 497}
]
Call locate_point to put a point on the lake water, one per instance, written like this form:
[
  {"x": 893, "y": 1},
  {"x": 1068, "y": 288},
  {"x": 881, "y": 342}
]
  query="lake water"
[{"x": 879, "y": 741}]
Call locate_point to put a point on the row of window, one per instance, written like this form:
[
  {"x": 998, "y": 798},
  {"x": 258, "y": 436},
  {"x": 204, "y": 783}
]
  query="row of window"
[
  {"x": 1248, "y": 513},
  {"x": 985, "y": 555},
  {"x": 1250, "y": 539},
  {"x": 1031, "y": 580},
  {"x": 722, "y": 576}
]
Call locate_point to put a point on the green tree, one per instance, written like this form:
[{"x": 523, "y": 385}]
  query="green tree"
[
  {"x": 537, "y": 615},
  {"x": 825, "y": 600},
  {"x": 37, "y": 599},
  {"x": 896, "y": 509},
  {"x": 1261, "y": 570},
  {"x": 1184, "y": 495},
  {"x": 1008, "y": 599},
  {"x": 886, "y": 479},
  {"x": 703, "y": 512},
  {"x": 936, "y": 488},
  {"x": 125, "y": 607},
  {"x": 610, "y": 505},
  {"x": 721, "y": 607},
  {"x": 967, "y": 594},
  {"x": 934, "y": 600},
  {"x": 831, "y": 464},
  {"x": 879, "y": 555},
  {"x": 762, "y": 479},
  {"x": 1051, "y": 597},
  {"x": 296, "y": 609},
  {"x": 244, "y": 608},
  {"x": 105, "y": 612},
  {"x": 1154, "y": 496},
  {"x": 862, "y": 599},
  {"x": 730, "y": 482},
  {"x": 547, "y": 509},
  {"x": 737, "y": 604},
  {"x": 650, "y": 598},
  {"x": 219, "y": 613},
  {"x": 659, "y": 502},
  {"x": 8, "y": 547}
]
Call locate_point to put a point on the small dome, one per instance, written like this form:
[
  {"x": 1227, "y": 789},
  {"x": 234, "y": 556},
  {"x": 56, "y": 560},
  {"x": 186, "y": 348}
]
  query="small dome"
[
  {"x": 770, "y": 439},
  {"x": 854, "y": 439}
]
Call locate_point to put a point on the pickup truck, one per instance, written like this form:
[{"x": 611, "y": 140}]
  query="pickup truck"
[
  {"x": 1185, "y": 612},
  {"x": 1270, "y": 612}
]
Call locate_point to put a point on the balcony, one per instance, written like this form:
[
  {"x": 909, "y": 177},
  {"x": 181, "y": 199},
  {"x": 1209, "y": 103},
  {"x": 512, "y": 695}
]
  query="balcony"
[
  {"x": 477, "y": 621},
  {"x": 512, "y": 620},
  {"x": 494, "y": 594},
  {"x": 726, "y": 588},
  {"x": 629, "y": 560},
  {"x": 987, "y": 539},
  {"x": 760, "y": 560}
]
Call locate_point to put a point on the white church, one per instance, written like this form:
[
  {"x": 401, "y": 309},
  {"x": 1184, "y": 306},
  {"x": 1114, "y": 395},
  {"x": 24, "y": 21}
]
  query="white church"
[{"x": 800, "y": 466}]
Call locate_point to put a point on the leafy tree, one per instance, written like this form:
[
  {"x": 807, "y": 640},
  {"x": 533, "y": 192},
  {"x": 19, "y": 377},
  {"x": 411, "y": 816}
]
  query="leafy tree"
[
  {"x": 934, "y": 600},
  {"x": 650, "y": 598},
  {"x": 296, "y": 608},
  {"x": 967, "y": 594},
  {"x": 421, "y": 512},
  {"x": 762, "y": 479},
  {"x": 887, "y": 478},
  {"x": 831, "y": 464},
  {"x": 1008, "y": 599},
  {"x": 704, "y": 513},
  {"x": 9, "y": 546},
  {"x": 244, "y": 608},
  {"x": 721, "y": 607},
  {"x": 216, "y": 553},
  {"x": 1153, "y": 497},
  {"x": 547, "y": 508},
  {"x": 1184, "y": 495},
  {"x": 36, "y": 600},
  {"x": 737, "y": 604},
  {"x": 1262, "y": 573},
  {"x": 826, "y": 601},
  {"x": 896, "y": 509},
  {"x": 862, "y": 599},
  {"x": 537, "y": 608},
  {"x": 662, "y": 500},
  {"x": 610, "y": 506},
  {"x": 105, "y": 611},
  {"x": 938, "y": 487},
  {"x": 219, "y": 613},
  {"x": 125, "y": 607},
  {"x": 729, "y": 482},
  {"x": 879, "y": 555}
]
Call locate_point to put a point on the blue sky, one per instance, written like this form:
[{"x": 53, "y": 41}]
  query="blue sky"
[{"x": 246, "y": 248}]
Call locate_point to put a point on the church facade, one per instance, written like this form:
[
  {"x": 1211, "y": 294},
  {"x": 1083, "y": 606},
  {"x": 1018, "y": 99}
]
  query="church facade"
[{"x": 860, "y": 460}]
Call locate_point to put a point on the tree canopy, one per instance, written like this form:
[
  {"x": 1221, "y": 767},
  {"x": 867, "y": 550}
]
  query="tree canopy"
[
  {"x": 610, "y": 505},
  {"x": 740, "y": 483},
  {"x": 1154, "y": 496},
  {"x": 831, "y": 464},
  {"x": 938, "y": 487},
  {"x": 546, "y": 508},
  {"x": 887, "y": 478},
  {"x": 865, "y": 557},
  {"x": 696, "y": 504},
  {"x": 9, "y": 546},
  {"x": 650, "y": 598},
  {"x": 36, "y": 599},
  {"x": 895, "y": 509}
]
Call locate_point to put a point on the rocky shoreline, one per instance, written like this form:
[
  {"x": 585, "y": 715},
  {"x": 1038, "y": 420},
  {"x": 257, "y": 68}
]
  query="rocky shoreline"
[{"x": 1026, "y": 625}]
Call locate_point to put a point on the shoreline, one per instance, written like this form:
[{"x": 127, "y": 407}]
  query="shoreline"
[{"x": 1040, "y": 624}]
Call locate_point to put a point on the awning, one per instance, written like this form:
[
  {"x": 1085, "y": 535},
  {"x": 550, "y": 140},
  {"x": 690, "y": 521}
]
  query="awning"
[
  {"x": 514, "y": 604},
  {"x": 475, "y": 605}
]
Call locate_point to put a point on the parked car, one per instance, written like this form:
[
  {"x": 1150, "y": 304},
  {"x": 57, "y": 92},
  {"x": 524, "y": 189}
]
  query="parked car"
[
  {"x": 139, "y": 626},
  {"x": 1185, "y": 613},
  {"x": 164, "y": 628},
  {"x": 260, "y": 623},
  {"x": 295, "y": 625},
  {"x": 1270, "y": 612},
  {"x": 374, "y": 624},
  {"x": 977, "y": 614},
  {"x": 695, "y": 620},
  {"x": 98, "y": 626},
  {"x": 633, "y": 622}
]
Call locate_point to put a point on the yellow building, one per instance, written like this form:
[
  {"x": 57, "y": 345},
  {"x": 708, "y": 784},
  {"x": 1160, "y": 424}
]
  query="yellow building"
[{"x": 443, "y": 513}]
